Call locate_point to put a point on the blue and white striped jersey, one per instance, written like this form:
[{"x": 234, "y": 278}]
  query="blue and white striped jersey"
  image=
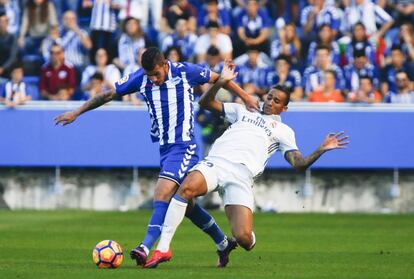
[
  {"x": 75, "y": 53},
  {"x": 170, "y": 105},
  {"x": 103, "y": 16}
]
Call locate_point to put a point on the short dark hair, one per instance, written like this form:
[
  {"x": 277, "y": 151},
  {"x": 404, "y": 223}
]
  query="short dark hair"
[
  {"x": 323, "y": 26},
  {"x": 152, "y": 57},
  {"x": 359, "y": 23},
  {"x": 359, "y": 53},
  {"x": 396, "y": 47},
  {"x": 212, "y": 24},
  {"x": 284, "y": 89},
  {"x": 284, "y": 57},
  {"x": 323, "y": 46},
  {"x": 253, "y": 48},
  {"x": 16, "y": 65},
  {"x": 332, "y": 72},
  {"x": 97, "y": 76},
  {"x": 213, "y": 51},
  {"x": 212, "y": 2},
  {"x": 365, "y": 77},
  {"x": 177, "y": 49}
]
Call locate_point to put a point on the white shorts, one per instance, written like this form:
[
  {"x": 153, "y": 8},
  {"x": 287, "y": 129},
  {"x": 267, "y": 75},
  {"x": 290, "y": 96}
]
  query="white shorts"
[{"x": 233, "y": 181}]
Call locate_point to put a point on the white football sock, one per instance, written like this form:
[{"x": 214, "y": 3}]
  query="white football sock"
[
  {"x": 145, "y": 248},
  {"x": 173, "y": 218}
]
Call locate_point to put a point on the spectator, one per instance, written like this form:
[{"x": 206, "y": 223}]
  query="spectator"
[
  {"x": 318, "y": 13},
  {"x": 38, "y": 17},
  {"x": 253, "y": 27},
  {"x": 328, "y": 91},
  {"x": 140, "y": 9},
  {"x": 8, "y": 47},
  {"x": 406, "y": 40},
  {"x": 109, "y": 71},
  {"x": 313, "y": 77},
  {"x": 398, "y": 64},
  {"x": 215, "y": 38},
  {"x": 12, "y": 10},
  {"x": 96, "y": 86},
  {"x": 283, "y": 75},
  {"x": 360, "y": 67},
  {"x": 51, "y": 39},
  {"x": 403, "y": 11},
  {"x": 131, "y": 41},
  {"x": 288, "y": 43},
  {"x": 137, "y": 63},
  {"x": 251, "y": 76},
  {"x": 325, "y": 37},
  {"x": 360, "y": 42},
  {"x": 181, "y": 38},
  {"x": 179, "y": 9},
  {"x": 403, "y": 93},
  {"x": 365, "y": 93},
  {"x": 57, "y": 79},
  {"x": 15, "y": 88},
  {"x": 212, "y": 12},
  {"x": 75, "y": 41},
  {"x": 173, "y": 54},
  {"x": 371, "y": 15},
  {"x": 213, "y": 62},
  {"x": 103, "y": 24}
]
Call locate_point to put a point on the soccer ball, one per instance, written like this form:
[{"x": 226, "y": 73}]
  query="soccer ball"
[{"x": 107, "y": 254}]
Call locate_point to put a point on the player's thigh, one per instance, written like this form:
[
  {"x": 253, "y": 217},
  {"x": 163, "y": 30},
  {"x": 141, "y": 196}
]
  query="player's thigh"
[
  {"x": 194, "y": 185},
  {"x": 164, "y": 189},
  {"x": 241, "y": 220}
]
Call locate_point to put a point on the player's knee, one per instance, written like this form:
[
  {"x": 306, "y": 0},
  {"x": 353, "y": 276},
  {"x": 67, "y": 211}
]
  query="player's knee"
[
  {"x": 187, "y": 191},
  {"x": 245, "y": 239},
  {"x": 162, "y": 194}
]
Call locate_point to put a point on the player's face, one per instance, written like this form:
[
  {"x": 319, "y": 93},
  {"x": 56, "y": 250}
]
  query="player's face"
[
  {"x": 158, "y": 74},
  {"x": 275, "y": 102}
]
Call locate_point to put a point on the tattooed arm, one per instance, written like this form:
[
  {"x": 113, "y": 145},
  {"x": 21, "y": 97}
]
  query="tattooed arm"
[
  {"x": 97, "y": 101},
  {"x": 332, "y": 141}
]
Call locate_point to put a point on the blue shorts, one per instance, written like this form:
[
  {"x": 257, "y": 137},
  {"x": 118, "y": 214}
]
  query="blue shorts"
[{"x": 177, "y": 159}]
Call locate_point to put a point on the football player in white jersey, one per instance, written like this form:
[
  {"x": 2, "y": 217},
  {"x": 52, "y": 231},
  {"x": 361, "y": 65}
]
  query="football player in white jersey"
[{"x": 239, "y": 155}]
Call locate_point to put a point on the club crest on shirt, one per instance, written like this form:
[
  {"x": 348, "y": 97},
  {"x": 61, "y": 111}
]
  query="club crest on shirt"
[
  {"x": 123, "y": 80},
  {"x": 204, "y": 73}
]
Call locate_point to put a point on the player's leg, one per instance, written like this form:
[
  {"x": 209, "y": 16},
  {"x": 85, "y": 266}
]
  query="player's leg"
[
  {"x": 162, "y": 195},
  {"x": 193, "y": 185},
  {"x": 241, "y": 222}
]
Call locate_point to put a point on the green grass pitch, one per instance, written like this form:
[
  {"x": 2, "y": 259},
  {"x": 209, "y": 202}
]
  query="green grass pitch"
[{"x": 58, "y": 244}]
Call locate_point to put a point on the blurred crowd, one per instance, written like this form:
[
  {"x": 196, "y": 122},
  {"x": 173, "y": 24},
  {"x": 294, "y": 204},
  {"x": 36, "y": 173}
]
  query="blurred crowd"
[{"x": 324, "y": 50}]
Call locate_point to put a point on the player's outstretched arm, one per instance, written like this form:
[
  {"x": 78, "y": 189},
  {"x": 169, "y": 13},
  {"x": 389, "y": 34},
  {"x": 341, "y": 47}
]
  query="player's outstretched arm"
[
  {"x": 251, "y": 102},
  {"x": 332, "y": 141},
  {"x": 97, "y": 101},
  {"x": 208, "y": 99}
]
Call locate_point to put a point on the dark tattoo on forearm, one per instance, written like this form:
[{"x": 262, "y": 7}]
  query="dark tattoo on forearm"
[
  {"x": 97, "y": 101},
  {"x": 302, "y": 163}
]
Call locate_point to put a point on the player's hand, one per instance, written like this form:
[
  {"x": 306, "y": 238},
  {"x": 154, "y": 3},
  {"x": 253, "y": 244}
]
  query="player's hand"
[
  {"x": 252, "y": 103},
  {"x": 335, "y": 141},
  {"x": 65, "y": 118},
  {"x": 228, "y": 73}
]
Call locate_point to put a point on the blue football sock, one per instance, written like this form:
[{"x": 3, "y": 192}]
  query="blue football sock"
[
  {"x": 202, "y": 219},
  {"x": 155, "y": 224}
]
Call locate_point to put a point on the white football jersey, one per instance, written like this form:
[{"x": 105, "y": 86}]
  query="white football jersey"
[{"x": 252, "y": 138}]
